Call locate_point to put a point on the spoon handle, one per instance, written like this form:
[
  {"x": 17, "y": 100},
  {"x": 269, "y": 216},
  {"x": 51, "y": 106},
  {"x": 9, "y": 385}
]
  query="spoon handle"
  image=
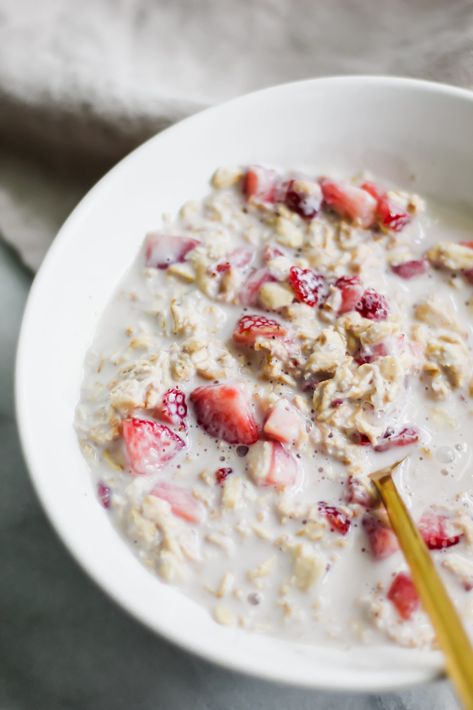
[{"x": 451, "y": 635}]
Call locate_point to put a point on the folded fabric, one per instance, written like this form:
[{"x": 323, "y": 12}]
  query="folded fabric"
[{"x": 80, "y": 85}]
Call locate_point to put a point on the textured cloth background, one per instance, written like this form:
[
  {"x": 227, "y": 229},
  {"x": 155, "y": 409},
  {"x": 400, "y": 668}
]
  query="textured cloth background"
[{"x": 81, "y": 83}]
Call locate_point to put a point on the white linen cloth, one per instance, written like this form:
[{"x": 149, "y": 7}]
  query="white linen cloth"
[{"x": 83, "y": 83}]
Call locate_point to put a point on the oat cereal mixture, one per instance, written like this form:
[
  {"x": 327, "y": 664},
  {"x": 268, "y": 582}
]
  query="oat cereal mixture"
[{"x": 272, "y": 346}]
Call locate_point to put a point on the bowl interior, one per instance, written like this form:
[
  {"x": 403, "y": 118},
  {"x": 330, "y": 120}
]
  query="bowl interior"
[{"x": 417, "y": 134}]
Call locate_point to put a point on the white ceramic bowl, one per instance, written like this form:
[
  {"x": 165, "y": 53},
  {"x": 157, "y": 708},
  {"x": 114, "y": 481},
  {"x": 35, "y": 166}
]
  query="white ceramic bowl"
[{"x": 416, "y": 133}]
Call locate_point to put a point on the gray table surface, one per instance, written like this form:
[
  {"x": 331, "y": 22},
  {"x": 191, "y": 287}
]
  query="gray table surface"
[{"x": 64, "y": 645}]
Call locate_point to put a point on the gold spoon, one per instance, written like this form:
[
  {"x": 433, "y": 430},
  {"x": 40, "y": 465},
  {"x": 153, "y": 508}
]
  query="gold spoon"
[{"x": 451, "y": 635}]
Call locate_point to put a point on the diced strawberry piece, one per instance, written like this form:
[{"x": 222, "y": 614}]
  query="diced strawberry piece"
[
  {"x": 391, "y": 439},
  {"x": 350, "y": 201},
  {"x": 225, "y": 413},
  {"x": 222, "y": 473},
  {"x": 357, "y": 492},
  {"x": 162, "y": 250},
  {"x": 351, "y": 290},
  {"x": 360, "y": 439},
  {"x": 308, "y": 286},
  {"x": 251, "y": 327},
  {"x": 249, "y": 292},
  {"x": 270, "y": 252},
  {"x": 260, "y": 182},
  {"x": 283, "y": 472},
  {"x": 239, "y": 258},
  {"x": 336, "y": 518},
  {"x": 105, "y": 494},
  {"x": 304, "y": 198},
  {"x": 391, "y": 215},
  {"x": 182, "y": 502},
  {"x": 336, "y": 403},
  {"x": 438, "y": 531},
  {"x": 372, "y": 305},
  {"x": 383, "y": 541},
  {"x": 373, "y": 189},
  {"x": 270, "y": 464},
  {"x": 410, "y": 269},
  {"x": 174, "y": 408},
  {"x": 284, "y": 423},
  {"x": 403, "y": 594},
  {"x": 149, "y": 446},
  {"x": 370, "y": 353},
  {"x": 468, "y": 274}
]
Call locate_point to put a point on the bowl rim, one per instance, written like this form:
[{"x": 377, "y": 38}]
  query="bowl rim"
[{"x": 433, "y": 669}]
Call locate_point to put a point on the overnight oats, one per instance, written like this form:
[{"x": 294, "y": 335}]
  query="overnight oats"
[{"x": 270, "y": 348}]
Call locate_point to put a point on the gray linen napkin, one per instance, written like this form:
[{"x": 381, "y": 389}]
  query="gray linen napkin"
[{"x": 83, "y": 83}]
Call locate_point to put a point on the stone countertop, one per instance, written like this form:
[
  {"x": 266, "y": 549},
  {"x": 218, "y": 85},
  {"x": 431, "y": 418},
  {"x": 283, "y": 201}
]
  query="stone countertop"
[{"x": 65, "y": 646}]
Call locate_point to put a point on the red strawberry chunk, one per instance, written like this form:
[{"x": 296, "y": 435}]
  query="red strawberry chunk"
[
  {"x": 270, "y": 464},
  {"x": 438, "y": 531},
  {"x": 308, "y": 286},
  {"x": 468, "y": 274},
  {"x": 304, "y": 198},
  {"x": 403, "y": 594},
  {"x": 222, "y": 473},
  {"x": 249, "y": 292},
  {"x": 392, "y": 216},
  {"x": 392, "y": 439},
  {"x": 382, "y": 540},
  {"x": 162, "y": 250},
  {"x": 284, "y": 423},
  {"x": 283, "y": 471},
  {"x": 336, "y": 518},
  {"x": 174, "y": 408},
  {"x": 349, "y": 201},
  {"x": 357, "y": 492},
  {"x": 372, "y": 305},
  {"x": 410, "y": 269},
  {"x": 105, "y": 494},
  {"x": 360, "y": 439},
  {"x": 373, "y": 189},
  {"x": 370, "y": 353},
  {"x": 182, "y": 502},
  {"x": 389, "y": 215},
  {"x": 251, "y": 327},
  {"x": 351, "y": 290},
  {"x": 225, "y": 413},
  {"x": 149, "y": 446},
  {"x": 260, "y": 182}
]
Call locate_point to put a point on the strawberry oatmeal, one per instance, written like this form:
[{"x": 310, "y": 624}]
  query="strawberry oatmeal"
[{"x": 271, "y": 347}]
